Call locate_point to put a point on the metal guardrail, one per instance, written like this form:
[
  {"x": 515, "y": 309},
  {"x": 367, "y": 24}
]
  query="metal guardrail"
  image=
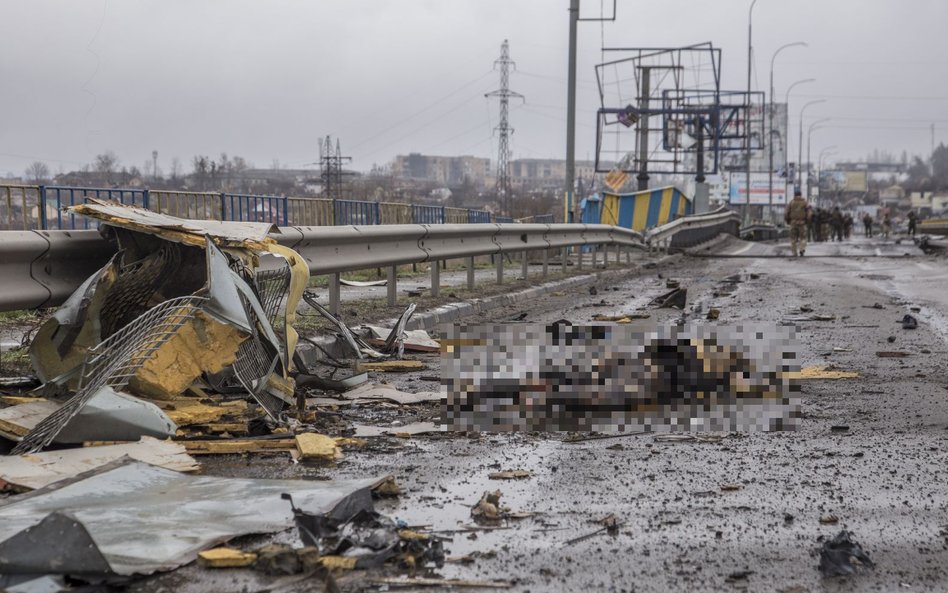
[
  {"x": 934, "y": 226},
  {"x": 42, "y": 268},
  {"x": 693, "y": 230}
]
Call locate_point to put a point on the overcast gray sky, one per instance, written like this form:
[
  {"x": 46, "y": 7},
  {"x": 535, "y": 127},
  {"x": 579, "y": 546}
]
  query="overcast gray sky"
[{"x": 265, "y": 79}]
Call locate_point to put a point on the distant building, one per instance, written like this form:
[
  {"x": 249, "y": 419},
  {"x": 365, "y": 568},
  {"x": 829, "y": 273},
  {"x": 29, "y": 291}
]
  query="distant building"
[
  {"x": 546, "y": 173},
  {"x": 442, "y": 170}
]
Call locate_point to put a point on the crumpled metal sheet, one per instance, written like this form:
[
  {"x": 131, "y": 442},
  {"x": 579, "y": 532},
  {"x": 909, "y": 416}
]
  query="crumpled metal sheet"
[
  {"x": 145, "y": 519},
  {"x": 155, "y": 223}
]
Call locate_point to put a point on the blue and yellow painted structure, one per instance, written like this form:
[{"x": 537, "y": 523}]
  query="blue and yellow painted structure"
[{"x": 638, "y": 211}]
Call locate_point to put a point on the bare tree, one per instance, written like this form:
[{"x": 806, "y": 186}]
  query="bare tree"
[
  {"x": 107, "y": 164},
  {"x": 175, "y": 169},
  {"x": 37, "y": 172}
]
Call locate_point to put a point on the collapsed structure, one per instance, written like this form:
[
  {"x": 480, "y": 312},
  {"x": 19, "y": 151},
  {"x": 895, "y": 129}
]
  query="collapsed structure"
[{"x": 183, "y": 305}]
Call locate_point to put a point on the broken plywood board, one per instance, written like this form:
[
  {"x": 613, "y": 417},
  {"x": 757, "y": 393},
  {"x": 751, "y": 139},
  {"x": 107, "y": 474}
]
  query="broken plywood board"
[
  {"x": 232, "y": 446},
  {"x": 36, "y": 470},
  {"x": 390, "y": 366},
  {"x": 823, "y": 372},
  {"x": 226, "y": 558},
  {"x": 317, "y": 447},
  {"x": 16, "y": 421},
  {"x": 186, "y": 413},
  {"x": 381, "y": 391}
]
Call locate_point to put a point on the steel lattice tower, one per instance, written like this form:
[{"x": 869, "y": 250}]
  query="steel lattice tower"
[
  {"x": 504, "y": 64},
  {"x": 330, "y": 165}
]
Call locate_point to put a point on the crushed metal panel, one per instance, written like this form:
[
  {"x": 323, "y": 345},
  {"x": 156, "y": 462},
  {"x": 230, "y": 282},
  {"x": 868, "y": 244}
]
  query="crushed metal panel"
[
  {"x": 114, "y": 362},
  {"x": 66, "y": 545},
  {"x": 183, "y": 230},
  {"x": 223, "y": 297},
  {"x": 110, "y": 415},
  {"x": 156, "y": 519}
]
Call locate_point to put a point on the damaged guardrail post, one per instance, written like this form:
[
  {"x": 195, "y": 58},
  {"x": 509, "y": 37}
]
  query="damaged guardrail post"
[
  {"x": 546, "y": 262},
  {"x": 435, "y": 278},
  {"x": 334, "y": 293},
  {"x": 524, "y": 263},
  {"x": 470, "y": 273},
  {"x": 392, "y": 285}
]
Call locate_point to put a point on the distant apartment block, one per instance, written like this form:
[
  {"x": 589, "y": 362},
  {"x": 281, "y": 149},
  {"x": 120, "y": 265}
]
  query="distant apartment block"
[
  {"x": 444, "y": 170},
  {"x": 546, "y": 173}
]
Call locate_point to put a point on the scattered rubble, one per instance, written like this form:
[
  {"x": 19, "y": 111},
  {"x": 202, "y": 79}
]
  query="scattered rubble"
[{"x": 840, "y": 556}]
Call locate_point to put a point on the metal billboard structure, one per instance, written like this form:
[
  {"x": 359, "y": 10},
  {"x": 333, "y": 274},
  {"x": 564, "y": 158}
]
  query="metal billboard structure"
[{"x": 662, "y": 111}]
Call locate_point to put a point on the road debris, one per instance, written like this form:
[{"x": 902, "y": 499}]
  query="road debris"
[
  {"x": 488, "y": 509},
  {"x": 892, "y": 354},
  {"x": 825, "y": 372},
  {"x": 317, "y": 447},
  {"x": 610, "y": 525},
  {"x": 510, "y": 474},
  {"x": 27, "y": 472},
  {"x": 156, "y": 519},
  {"x": 390, "y": 366},
  {"x": 226, "y": 558},
  {"x": 676, "y": 298},
  {"x": 183, "y": 301},
  {"x": 841, "y": 556},
  {"x": 909, "y": 322},
  {"x": 713, "y": 314},
  {"x": 429, "y": 582},
  {"x": 382, "y": 391},
  {"x": 363, "y": 283},
  {"x": 369, "y": 538}
]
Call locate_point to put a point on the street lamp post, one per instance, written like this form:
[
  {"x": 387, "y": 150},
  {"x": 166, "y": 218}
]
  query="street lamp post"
[
  {"x": 786, "y": 99},
  {"x": 809, "y": 133},
  {"x": 747, "y": 185},
  {"x": 770, "y": 136},
  {"x": 800, "y": 156},
  {"x": 819, "y": 171}
]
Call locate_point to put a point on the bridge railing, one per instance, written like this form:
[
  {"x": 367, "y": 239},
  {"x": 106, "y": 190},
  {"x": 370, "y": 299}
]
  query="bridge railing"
[
  {"x": 689, "y": 231},
  {"x": 41, "y": 207}
]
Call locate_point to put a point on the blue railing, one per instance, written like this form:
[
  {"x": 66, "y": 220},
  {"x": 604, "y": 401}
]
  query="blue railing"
[
  {"x": 58, "y": 197},
  {"x": 253, "y": 208},
  {"x": 422, "y": 214},
  {"x": 349, "y": 212},
  {"x": 478, "y": 216},
  {"x": 43, "y": 207}
]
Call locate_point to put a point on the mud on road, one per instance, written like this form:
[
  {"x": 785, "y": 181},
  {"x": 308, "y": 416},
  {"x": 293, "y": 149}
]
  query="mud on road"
[{"x": 882, "y": 477}]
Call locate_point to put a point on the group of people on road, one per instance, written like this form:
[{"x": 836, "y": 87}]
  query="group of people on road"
[
  {"x": 820, "y": 224},
  {"x": 828, "y": 225}
]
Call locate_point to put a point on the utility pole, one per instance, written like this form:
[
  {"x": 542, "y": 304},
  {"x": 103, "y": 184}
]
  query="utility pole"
[
  {"x": 569, "y": 202},
  {"x": 750, "y": 51},
  {"x": 504, "y": 64},
  {"x": 642, "y": 176},
  {"x": 330, "y": 168}
]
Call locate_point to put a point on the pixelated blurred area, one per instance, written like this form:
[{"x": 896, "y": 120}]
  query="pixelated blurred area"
[{"x": 620, "y": 378}]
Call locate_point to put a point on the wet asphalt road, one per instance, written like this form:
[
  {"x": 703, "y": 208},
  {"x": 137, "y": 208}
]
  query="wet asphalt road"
[{"x": 884, "y": 478}]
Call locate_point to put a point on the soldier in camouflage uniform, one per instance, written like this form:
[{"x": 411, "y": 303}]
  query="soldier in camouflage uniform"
[{"x": 796, "y": 217}]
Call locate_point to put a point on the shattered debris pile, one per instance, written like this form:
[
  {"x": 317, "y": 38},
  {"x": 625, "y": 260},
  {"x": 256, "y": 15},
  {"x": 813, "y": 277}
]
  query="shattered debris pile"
[{"x": 181, "y": 346}]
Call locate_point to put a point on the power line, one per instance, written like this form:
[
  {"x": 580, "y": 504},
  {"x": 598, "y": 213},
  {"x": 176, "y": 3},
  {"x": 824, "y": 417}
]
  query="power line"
[{"x": 422, "y": 110}]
